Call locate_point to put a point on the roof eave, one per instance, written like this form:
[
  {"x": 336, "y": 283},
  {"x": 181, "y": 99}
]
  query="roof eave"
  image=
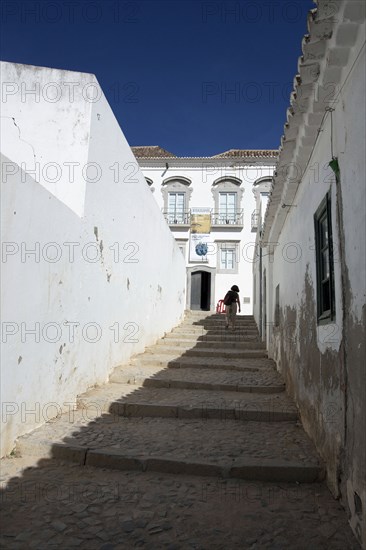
[{"x": 324, "y": 56}]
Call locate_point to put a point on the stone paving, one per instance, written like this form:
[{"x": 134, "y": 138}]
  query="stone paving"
[
  {"x": 181, "y": 361},
  {"x": 201, "y": 343},
  {"x": 209, "y": 336},
  {"x": 62, "y": 506},
  {"x": 229, "y": 379},
  {"x": 209, "y": 440},
  {"x": 205, "y": 454},
  {"x": 193, "y": 398}
]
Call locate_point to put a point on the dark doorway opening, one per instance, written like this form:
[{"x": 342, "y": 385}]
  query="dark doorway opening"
[{"x": 201, "y": 290}]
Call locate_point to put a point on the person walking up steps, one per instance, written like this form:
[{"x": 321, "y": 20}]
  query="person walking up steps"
[{"x": 232, "y": 303}]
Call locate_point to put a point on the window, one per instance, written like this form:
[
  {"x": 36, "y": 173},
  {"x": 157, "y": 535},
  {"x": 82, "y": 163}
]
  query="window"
[
  {"x": 176, "y": 195},
  {"x": 227, "y": 207},
  {"x": 324, "y": 261},
  {"x": 227, "y": 258},
  {"x": 227, "y": 254},
  {"x": 176, "y": 208},
  {"x": 227, "y": 195}
]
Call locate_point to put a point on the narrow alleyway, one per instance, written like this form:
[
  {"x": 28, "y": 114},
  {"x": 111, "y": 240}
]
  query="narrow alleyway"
[{"x": 194, "y": 445}]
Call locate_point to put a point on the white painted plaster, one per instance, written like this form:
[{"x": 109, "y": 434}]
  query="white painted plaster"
[
  {"x": 202, "y": 175},
  {"x": 140, "y": 293},
  {"x": 51, "y": 110},
  {"x": 336, "y": 396}
]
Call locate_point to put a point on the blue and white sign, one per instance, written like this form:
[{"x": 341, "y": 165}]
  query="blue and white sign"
[{"x": 199, "y": 241}]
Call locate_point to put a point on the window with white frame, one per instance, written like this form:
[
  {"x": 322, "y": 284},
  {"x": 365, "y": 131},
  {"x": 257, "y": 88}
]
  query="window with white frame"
[
  {"x": 176, "y": 207},
  {"x": 227, "y": 207},
  {"x": 227, "y": 257},
  {"x": 176, "y": 195},
  {"x": 227, "y": 194}
]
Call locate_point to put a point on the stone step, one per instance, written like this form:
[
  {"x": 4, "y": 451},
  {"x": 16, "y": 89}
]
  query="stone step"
[
  {"x": 224, "y": 337},
  {"x": 218, "y": 324},
  {"x": 197, "y": 313},
  {"x": 266, "y": 381},
  {"x": 218, "y": 317},
  {"x": 221, "y": 331},
  {"x": 159, "y": 382},
  {"x": 178, "y": 351},
  {"x": 185, "y": 403},
  {"x": 254, "y": 451},
  {"x": 218, "y": 329},
  {"x": 197, "y": 343},
  {"x": 178, "y": 361}
]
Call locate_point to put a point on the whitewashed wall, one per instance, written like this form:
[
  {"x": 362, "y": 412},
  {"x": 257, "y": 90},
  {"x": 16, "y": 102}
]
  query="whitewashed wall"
[
  {"x": 324, "y": 365},
  {"x": 107, "y": 278}
]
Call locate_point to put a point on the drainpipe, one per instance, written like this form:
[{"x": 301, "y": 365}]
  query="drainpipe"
[{"x": 166, "y": 169}]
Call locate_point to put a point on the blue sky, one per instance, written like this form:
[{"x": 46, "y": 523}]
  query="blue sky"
[{"x": 195, "y": 77}]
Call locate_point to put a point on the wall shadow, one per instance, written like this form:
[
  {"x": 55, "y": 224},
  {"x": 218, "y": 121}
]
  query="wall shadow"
[{"x": 105, "y": 481}]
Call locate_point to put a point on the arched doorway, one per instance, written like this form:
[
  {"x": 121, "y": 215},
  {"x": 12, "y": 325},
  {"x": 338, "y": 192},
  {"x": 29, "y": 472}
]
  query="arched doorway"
[{"x": 201, "y": 288}]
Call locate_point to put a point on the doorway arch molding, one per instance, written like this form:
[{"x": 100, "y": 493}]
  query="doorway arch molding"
[{"x": 207, "y": 269}]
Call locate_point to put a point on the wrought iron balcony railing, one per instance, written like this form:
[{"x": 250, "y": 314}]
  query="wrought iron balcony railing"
[
  {"x": 255, "y": 221},
  {"x": 231, "y": 219},
  {"x": 177, "y": 218},
  {"x": 235, "y": 218}
]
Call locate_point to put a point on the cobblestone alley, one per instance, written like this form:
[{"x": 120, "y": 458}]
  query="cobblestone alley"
[{"x": 194, "y": 445}]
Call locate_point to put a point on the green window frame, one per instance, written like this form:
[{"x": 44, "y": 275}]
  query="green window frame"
[{"x": 324, "y": 261}]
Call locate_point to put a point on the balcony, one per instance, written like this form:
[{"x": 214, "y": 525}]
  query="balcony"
[
  {"x": 178, "y": 220},
  {"x": 224, "y": 221},
  {"x": 227, "y": 220},
  {"x": 255, "y": 221}
]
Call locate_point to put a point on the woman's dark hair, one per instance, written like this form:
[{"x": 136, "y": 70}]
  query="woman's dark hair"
[{"x": 235, "y": 288}]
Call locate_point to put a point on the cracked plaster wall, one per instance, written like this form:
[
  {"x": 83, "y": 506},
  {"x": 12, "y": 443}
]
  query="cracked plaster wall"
[
  {"x": 324, "y": 365},
  {"x": 123, "y": 281}
]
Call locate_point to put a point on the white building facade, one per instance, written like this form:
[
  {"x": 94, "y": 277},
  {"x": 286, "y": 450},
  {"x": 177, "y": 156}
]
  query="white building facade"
[
  {"x": 311, "y": 290},
  {"x": 210, "y": 205}
]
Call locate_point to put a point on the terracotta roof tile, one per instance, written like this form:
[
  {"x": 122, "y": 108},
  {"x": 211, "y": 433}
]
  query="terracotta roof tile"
[
  {"x": 154, "y": 151},
  {"x": 248, "y": 153},
  {"x": 151, "y": 151}
]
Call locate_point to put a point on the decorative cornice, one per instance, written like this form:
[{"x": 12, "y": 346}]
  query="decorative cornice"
[
  {"x": 177, "y": 179},
  {"x": 225, "y": 179},
  {"x": 205, "y": 162}
]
